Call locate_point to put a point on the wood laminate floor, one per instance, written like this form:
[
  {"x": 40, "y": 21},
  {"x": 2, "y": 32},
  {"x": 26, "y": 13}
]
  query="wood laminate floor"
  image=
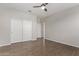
[{"x": 37, "y": 48}]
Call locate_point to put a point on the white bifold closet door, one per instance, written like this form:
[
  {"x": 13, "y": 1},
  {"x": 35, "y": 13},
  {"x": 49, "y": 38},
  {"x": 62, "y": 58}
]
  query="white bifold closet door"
[
  {"x": 27, "y": 30},
  {"x": 23, "y": 29},
  {"x": 16, "y": 30}
]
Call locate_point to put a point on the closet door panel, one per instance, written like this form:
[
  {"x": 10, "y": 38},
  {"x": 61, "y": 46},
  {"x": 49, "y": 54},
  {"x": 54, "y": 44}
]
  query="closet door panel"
[
  {"x": 34, "y": 28},
  {"x": 27, "y": 30},
  {"x": 16, "y": 30}
]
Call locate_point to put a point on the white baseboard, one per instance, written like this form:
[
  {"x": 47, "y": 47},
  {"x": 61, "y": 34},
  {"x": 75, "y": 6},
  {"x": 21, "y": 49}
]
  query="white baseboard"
[
  {"x": 16, "y": 42},
  {"x": 64, "y": 43},
  {"x": 5, "y": 45}
]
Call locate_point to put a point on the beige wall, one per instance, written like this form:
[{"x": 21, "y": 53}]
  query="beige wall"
[
  {"x": 4, "y": 28},
  {"x": 63, "y": 27}
]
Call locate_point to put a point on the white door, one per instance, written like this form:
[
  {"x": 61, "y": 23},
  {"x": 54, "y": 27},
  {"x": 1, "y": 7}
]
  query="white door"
[
  {"x": 16, "y": 30},
  {"x": 27, "y": 30},
  {"x": 21, "y": 30},
  {"x": 24, "y": 29}
]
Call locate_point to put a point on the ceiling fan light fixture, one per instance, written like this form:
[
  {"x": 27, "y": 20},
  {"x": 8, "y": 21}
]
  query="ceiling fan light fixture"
[{"x": 43, "y": 7}]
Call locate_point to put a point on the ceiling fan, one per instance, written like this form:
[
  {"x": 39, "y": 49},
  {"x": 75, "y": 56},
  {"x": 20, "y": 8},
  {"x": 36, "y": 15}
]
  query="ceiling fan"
[{"x": 43, "y": 6}]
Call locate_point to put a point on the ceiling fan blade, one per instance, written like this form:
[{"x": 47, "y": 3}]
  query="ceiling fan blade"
[
  {"x": 36, "y": 6},
  {"x": 44, "y": 4},
  {"x": 45, "y": 9}
]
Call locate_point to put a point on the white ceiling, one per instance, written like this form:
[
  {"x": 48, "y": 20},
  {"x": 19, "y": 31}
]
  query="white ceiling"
[{"x": 52, "y": 7}]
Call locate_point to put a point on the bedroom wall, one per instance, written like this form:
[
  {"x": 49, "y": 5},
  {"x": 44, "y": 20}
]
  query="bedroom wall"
[
  {"x": 4, "y": 28},
  {"x": 63, "y": 27}
]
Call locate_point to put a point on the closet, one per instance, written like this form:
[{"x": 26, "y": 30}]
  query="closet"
[{"x": 25, "y": 28}]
